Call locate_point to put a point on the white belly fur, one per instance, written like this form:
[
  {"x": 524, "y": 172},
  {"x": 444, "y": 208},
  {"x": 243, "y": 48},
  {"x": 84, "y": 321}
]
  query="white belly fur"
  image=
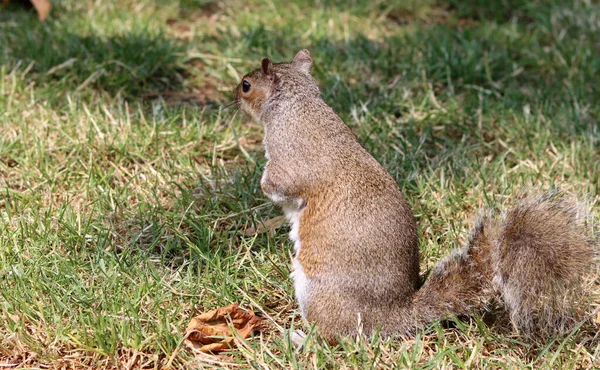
[{"x": 300, "y": 280}]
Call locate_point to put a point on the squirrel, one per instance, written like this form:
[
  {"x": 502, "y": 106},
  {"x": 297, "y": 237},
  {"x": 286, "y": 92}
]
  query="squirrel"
[{"x": 356, "y": 262}]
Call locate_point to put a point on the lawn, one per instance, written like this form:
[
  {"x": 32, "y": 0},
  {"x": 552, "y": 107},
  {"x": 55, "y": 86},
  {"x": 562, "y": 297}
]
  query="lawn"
[{"x": 128, "y": 193}]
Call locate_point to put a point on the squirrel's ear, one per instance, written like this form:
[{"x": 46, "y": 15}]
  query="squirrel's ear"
[
  {"x": 267, "y": 66},
  {"x": 303, "y": 61}
]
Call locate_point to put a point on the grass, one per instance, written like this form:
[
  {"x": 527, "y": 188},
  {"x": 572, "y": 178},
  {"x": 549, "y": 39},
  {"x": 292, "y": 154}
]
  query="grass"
[{"x": 125, "y": 189}]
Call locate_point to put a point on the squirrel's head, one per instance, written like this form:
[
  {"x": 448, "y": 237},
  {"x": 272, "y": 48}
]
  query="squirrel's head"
[{"x": 272, "y": 82}]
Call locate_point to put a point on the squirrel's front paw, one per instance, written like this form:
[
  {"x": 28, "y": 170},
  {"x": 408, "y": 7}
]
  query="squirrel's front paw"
[
  {"x": 279, "y": 197},
  {"x": 266, "y": 186}
]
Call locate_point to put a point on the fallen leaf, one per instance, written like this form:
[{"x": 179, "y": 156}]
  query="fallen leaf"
[
  {"x": 269, "y": 225},
  {"x": 42, "y": 7},
  {"x": 598, "y": 318},
  {"x": 211, "y": 332}
]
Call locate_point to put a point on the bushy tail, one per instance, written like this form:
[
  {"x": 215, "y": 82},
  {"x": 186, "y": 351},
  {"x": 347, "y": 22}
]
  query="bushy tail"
[
  {"x": 537, "y": 260},
  {"x": 544, "y": 264}
]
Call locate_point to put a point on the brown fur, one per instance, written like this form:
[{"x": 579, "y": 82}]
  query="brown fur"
[
  {"x": 543, "y": 264},
  {"x": 358, "y": 236}
]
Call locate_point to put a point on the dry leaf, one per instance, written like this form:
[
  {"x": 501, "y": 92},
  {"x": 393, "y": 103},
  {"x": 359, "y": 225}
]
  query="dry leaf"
[
  {"x": 270, "y": 225},
  {"x": 211, "y": 332},
  {"x": 42, "y": 7}
]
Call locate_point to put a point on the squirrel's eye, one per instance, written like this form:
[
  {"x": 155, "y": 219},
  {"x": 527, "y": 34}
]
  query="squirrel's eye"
[{"x": 245, "y": 86}]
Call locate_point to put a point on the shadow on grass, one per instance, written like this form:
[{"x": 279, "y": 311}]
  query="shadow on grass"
[
  {"x": 473, "y": 71},
  {"x": 62, "y": 61},
  {"x": 193, "y": 222},
  {"x": 406, "y": 11}
]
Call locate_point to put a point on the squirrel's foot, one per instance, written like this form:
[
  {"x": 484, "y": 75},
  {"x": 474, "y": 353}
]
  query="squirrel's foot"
[{"x": 298, "y": 337}]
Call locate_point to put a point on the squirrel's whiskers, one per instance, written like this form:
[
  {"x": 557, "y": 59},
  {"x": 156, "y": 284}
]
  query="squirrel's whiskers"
[{"x": 229, "y": 105}]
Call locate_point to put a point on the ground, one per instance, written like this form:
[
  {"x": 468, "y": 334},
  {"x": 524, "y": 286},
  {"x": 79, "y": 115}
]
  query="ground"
[{"x": 128, "y": 193}]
